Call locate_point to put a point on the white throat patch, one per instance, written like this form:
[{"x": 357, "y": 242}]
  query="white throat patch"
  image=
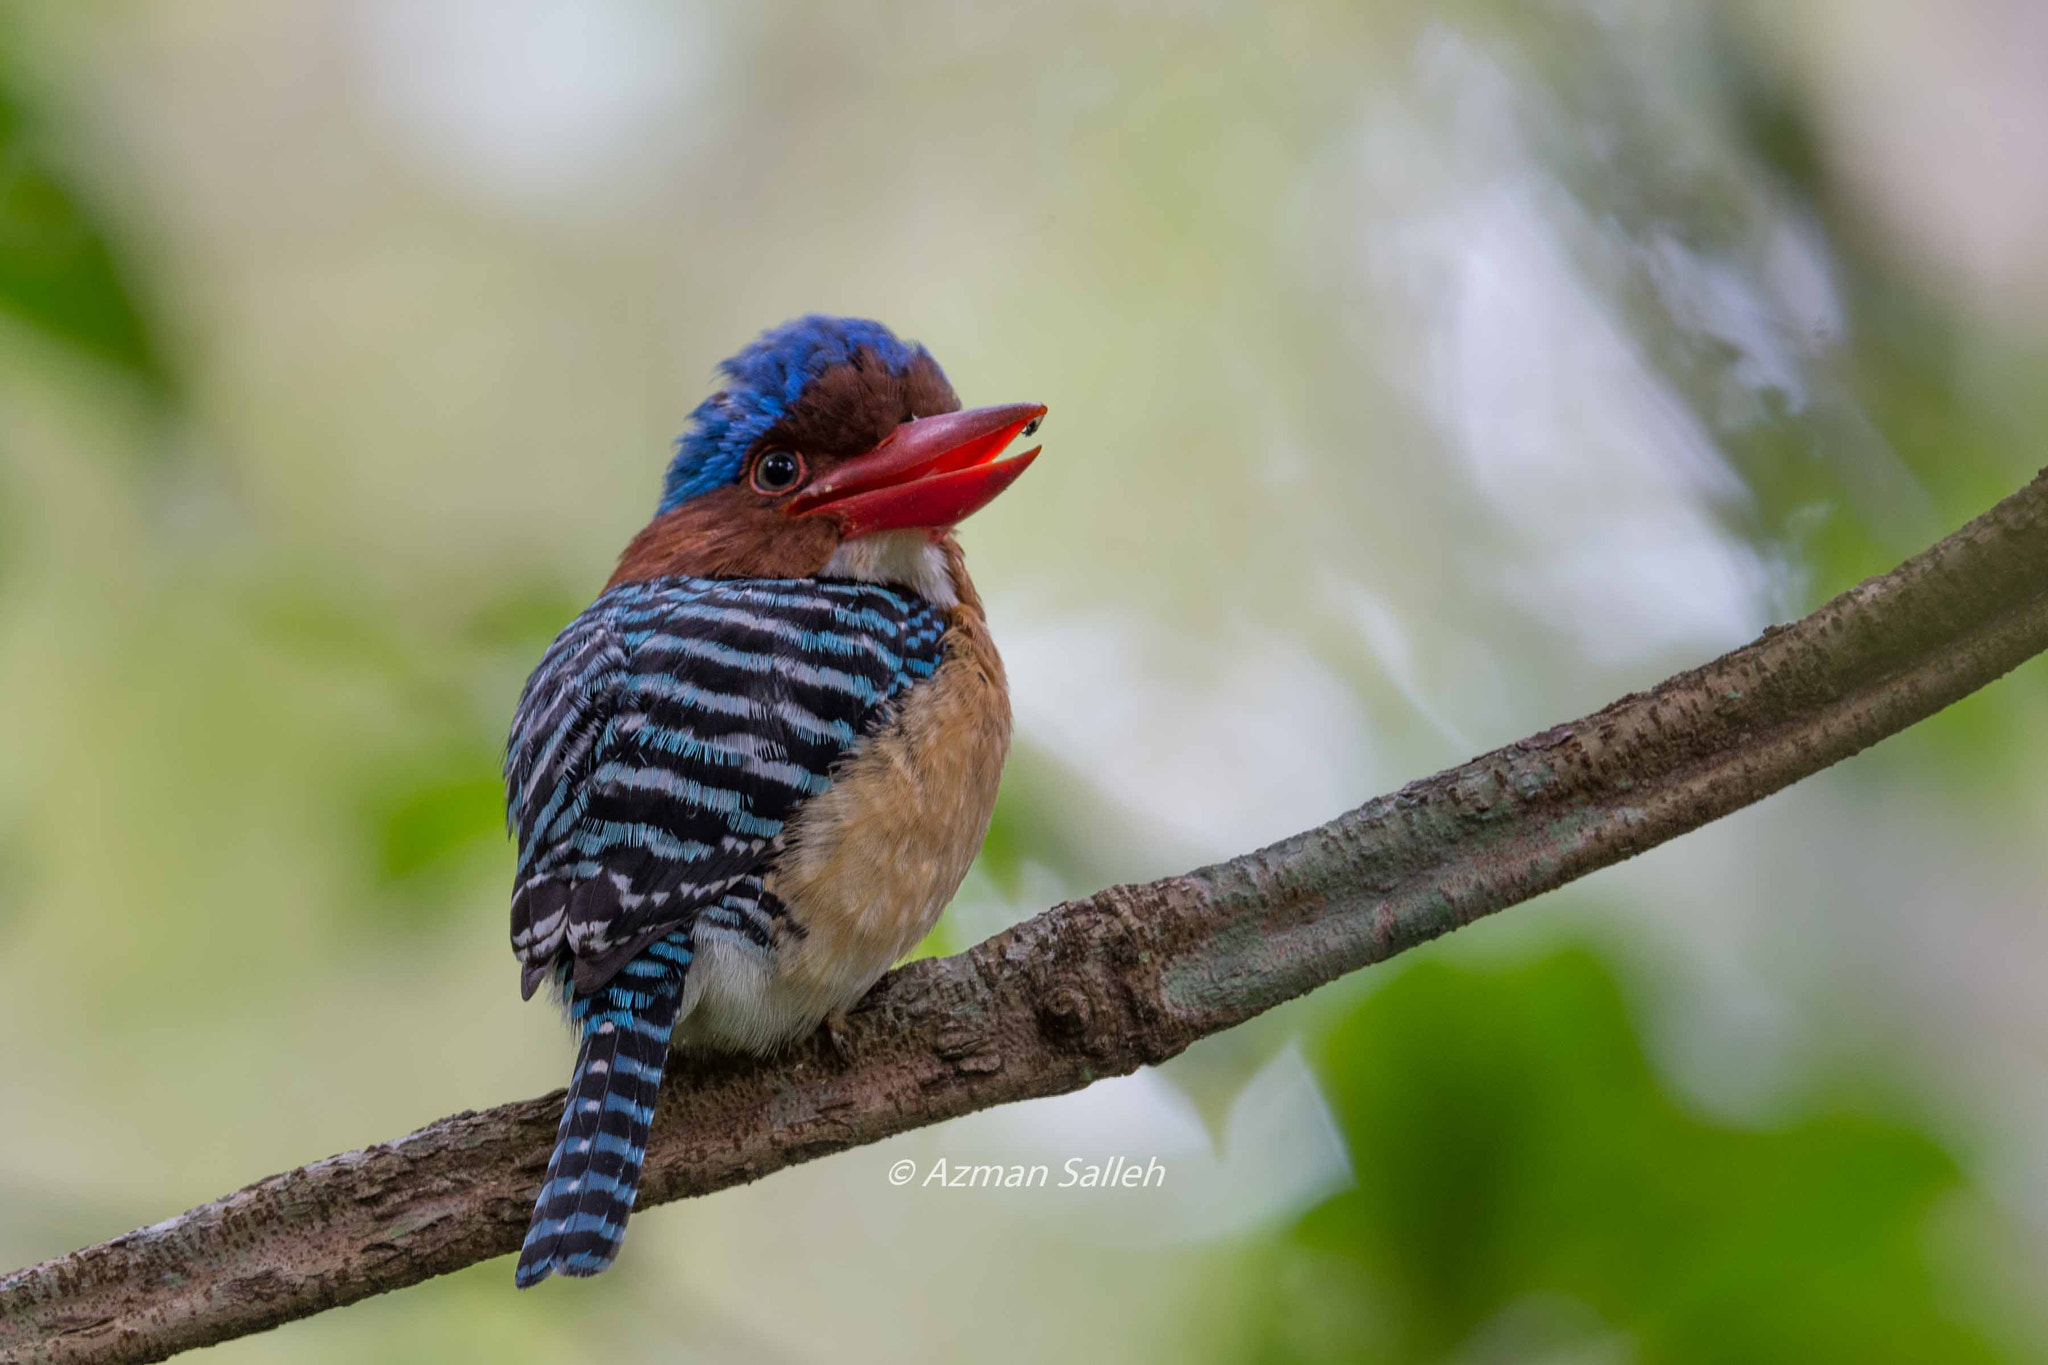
[{"x": 907, "y": 558}]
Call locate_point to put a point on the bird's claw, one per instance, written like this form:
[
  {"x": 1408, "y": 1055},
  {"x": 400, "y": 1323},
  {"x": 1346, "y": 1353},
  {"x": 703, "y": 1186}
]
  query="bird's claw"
[{"x": 835, "y": 1031}]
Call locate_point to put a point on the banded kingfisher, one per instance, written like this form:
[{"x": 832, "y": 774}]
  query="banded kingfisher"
[{"x": 748, "y": 777}]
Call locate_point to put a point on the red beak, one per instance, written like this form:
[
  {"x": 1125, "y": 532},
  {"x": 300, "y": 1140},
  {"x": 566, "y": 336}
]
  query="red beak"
[{"x": 929, "y": 473}]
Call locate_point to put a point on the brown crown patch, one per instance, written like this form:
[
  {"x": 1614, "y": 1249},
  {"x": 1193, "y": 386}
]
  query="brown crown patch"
[
  {"x": 734, "y": 532},
  {"x": 849, "y": 408}
]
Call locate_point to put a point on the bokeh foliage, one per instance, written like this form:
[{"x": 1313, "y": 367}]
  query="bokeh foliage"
[
  {"x": 60, "y": 272},
  {"x": 1519, "y": 1163}
]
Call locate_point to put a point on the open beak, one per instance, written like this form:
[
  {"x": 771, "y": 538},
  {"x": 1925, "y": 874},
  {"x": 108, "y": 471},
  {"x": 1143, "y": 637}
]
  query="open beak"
[{"x": 928, "y": 474}]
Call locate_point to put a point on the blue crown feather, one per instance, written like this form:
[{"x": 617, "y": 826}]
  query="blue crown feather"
[{"x": 765, "y": 380}]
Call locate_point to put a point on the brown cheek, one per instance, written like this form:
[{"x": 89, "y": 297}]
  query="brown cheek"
[
  {"x": 784, "y": 547},
  {"x": 727, "y": 534}
]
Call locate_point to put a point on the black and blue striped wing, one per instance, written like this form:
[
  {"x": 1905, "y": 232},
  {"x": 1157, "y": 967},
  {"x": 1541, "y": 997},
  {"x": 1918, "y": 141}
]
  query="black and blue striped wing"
[{"x": 668, "y": 736}]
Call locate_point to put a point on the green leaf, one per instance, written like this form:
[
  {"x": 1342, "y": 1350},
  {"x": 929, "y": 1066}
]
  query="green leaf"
[
  {"x": 425, "y": 815},
  {"x": 59, "y": 273},
  {"x": 1513, "y": 1147}
]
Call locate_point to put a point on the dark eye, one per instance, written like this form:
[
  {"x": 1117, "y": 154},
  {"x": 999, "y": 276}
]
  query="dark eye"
[
  {"x": 778, "y": 471},
  {"x": 1031, "y": 427}
]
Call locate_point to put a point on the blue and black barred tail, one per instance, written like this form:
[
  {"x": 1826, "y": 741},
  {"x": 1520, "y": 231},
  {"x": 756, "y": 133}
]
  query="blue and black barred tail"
[{"x": 579, "y": 1220}]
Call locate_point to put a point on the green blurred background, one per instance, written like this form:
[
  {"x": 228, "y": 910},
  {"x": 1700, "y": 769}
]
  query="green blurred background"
[{"x": 1422, "y": 373}]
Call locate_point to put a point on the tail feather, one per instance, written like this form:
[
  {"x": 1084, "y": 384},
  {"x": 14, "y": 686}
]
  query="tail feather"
[{"x": 579, "y": 1219}]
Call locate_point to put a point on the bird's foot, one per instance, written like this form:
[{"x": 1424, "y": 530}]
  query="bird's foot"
[{"x": 834, "y": 1029}]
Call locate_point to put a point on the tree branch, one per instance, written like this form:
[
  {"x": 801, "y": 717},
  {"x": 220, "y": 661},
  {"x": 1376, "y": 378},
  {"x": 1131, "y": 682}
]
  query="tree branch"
[{"x": 1102, "y": 986}]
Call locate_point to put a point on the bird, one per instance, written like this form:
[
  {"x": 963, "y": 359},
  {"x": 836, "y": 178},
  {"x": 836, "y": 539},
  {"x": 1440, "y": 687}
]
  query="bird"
[{"x": 748, "y": 777}]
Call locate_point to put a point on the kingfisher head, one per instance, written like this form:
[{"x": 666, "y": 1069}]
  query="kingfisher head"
[{"x": 834, "y": 449}]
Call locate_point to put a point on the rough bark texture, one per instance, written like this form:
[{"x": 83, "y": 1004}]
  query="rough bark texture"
[{"x": 1102, "y": 986}]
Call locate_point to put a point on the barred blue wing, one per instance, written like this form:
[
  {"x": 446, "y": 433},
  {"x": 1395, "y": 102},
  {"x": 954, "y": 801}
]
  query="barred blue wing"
[{"x": 669, "y": 735}]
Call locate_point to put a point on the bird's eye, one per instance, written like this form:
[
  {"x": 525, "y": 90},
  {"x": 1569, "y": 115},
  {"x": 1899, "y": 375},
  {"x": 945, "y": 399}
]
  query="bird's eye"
[
  {"x": 1031, "y": 427},
  {"x": 778, "y": 471}
]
